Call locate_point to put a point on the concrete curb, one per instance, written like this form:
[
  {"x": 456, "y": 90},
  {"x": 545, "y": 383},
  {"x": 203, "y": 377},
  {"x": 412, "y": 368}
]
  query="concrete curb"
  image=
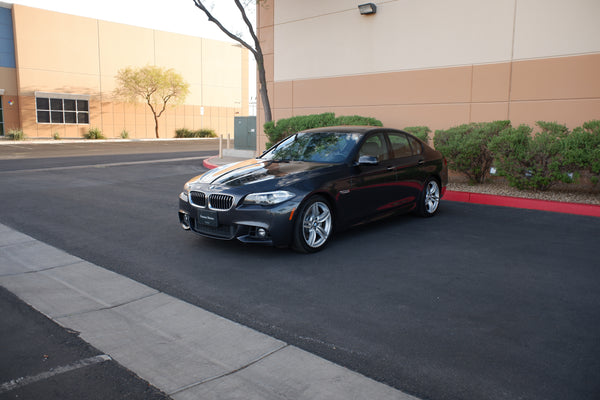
[
  {"x": 208, "y": 164},
  {"x": 590, "y": 210}
]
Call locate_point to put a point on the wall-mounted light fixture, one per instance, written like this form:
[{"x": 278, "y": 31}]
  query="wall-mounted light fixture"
[{"x": 367, "y": 8}]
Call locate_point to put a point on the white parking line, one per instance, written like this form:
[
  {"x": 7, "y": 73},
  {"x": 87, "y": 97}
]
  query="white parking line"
[
  {"x": 27, "y": 380},
  {"x": 118, "y": 164}
]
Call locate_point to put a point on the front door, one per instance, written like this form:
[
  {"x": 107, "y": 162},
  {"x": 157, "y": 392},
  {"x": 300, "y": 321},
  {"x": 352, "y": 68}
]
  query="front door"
[{"x": 373, "y": 186}]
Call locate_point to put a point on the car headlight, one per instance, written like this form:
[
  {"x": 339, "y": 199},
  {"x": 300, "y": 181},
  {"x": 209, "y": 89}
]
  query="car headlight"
[
  {"x": 186, "y": 192},
  {"x": 269, "y": 198}
]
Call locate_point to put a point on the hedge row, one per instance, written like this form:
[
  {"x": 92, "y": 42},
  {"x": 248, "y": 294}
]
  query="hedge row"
[
  {"x": 526, "y": 160},
  {"x": 200, "y": 133},
  {"x": 276, "y": 131}
]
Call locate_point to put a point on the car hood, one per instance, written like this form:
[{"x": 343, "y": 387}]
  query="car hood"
[{"x": 257, "y": 170}]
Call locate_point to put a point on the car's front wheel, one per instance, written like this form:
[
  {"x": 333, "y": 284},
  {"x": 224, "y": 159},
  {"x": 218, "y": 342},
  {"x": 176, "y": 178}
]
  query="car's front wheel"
[
  {"x": 314, "y": 225},
  {"x": 429, "y": 200}
]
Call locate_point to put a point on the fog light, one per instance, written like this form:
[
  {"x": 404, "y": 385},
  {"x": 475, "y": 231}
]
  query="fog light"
[
  {"x": 185, "y": 221},
  {"x": 261, "y": 233}
]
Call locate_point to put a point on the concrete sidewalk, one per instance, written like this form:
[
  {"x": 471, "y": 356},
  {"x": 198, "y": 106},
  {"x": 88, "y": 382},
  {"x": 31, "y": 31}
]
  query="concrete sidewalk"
[
  {"x": 228, "y": 156},
  {"x": 181, "y": 349}
]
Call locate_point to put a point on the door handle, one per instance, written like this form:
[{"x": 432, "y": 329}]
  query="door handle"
[
  {"x": 421, "y": 162},
  {"x": 391, "y": 168}
]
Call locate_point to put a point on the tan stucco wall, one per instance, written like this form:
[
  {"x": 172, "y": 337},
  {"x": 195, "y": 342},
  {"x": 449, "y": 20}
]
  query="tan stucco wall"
[
  {"x": 434, "y": 63},
  {"x": 62, "y": 53},
  {"x": 315, "y": 39}
]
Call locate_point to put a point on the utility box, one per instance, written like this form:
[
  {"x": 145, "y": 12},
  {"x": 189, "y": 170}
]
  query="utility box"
[{"x": 244, "y": 134}]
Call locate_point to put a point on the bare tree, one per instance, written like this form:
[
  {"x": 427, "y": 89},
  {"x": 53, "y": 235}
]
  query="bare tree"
[{"x": 255, "y": 50}]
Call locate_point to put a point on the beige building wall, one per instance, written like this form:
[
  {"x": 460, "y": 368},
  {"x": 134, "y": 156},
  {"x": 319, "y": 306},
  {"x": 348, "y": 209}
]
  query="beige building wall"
[
  {"x": 60, "y": 53},
  {"x": 434, "y": 63}
]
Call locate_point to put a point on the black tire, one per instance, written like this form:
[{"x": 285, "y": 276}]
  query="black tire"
[
  {"x": 429, "y": 199},
  {"x": 313, "y": 227}
]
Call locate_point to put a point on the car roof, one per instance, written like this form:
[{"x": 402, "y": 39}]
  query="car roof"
[{"x": 347, "y": 129}]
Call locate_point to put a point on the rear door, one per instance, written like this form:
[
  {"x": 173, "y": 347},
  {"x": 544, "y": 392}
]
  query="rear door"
[{"x": 408, "y": 163}]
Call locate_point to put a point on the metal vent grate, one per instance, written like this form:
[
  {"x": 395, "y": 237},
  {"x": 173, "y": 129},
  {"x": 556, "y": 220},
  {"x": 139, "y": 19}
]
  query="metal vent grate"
[
  {"x": 198, "y": 199},
  {"x": 223, "y": 232},
  {"x": 220, "y": 201}
]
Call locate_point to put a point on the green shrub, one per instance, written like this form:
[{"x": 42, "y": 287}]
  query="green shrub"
[
  {"x": 422, "y": 132},
  {"x": 15, "y": 134},
  {"x": 532, "y": 162},
  {"x": 94, "y": 133},
  {"x": 281, "y": 129},
  {"x": 357, "y": 120},
  {"x": 287, "y": 126},
  {"x": 582, "y": 149},
  {"x": 124, "y": 134},
  {"x": 201, "y": 133},
  {"x": 466, "y": 147},
  {"x": 56, "y": 136},
  {"x": 183, "y": 133}
]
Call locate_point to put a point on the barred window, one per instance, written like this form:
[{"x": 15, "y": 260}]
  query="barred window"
[{"x": 61, "y": 109}]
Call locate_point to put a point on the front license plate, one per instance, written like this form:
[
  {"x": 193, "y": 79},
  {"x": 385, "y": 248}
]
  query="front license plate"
[{"x": 208, "y": 217}]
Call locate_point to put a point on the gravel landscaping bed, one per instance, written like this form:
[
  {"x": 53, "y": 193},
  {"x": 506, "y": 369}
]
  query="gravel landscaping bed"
[{"x": 565, "y": 193}]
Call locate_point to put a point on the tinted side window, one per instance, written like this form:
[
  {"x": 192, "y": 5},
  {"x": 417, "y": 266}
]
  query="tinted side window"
[
  {"x": 400, "y": 145},
  {"x": 375, "y": 146},
  {"x": 417, "y": 147}
]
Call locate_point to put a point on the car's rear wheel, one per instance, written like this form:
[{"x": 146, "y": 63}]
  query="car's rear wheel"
[
  {"x": 429, "y": 200},
  {"x": 314, "y": 225}
]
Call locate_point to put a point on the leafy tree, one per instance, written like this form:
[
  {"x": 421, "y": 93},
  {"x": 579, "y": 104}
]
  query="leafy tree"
[
  {"x": 157, "y": 86},
  {"x": 255, "y": 49}
]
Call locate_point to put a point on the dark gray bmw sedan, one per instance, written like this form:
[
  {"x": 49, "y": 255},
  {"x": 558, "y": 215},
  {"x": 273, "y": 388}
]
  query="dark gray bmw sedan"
[{"x": 312, "y": 183}]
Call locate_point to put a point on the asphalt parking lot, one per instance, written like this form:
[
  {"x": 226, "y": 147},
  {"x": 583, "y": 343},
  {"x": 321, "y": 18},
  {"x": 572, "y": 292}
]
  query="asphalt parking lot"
[
  {"x": 34, "y": 349},
  {"x": 478, "y": 302}
]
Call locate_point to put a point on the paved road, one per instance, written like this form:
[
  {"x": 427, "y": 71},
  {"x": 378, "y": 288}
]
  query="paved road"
[{"x": 479, "y": 302}]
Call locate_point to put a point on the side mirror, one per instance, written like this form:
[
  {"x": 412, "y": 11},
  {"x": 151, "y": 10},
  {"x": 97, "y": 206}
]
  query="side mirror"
[{"x": 367, "y": 160}]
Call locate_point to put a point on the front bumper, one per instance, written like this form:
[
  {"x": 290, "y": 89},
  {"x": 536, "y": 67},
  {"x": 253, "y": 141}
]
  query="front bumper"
[{"x": 269, "y": 225}]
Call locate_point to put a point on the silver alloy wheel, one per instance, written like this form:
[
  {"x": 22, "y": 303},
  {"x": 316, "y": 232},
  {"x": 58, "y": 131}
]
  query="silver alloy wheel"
[
  {"x": 316, "y": 224},
  {"x": 432, "y": 197}
]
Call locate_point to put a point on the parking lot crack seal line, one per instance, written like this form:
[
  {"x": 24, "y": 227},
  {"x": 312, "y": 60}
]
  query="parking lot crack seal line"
[{"x": 214, "y": 378}]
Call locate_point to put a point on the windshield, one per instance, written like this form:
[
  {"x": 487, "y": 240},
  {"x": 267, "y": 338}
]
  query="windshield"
[{"x": 325, "y": 147}]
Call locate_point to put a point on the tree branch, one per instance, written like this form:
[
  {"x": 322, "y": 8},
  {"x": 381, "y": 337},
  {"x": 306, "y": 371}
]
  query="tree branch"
[
  {"x": 256, "y": 50},
  {"x": 226, "y": 31}
]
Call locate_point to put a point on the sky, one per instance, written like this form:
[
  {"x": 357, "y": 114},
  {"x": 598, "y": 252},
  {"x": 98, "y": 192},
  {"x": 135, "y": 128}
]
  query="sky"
[{"x": 178, "y": 16}]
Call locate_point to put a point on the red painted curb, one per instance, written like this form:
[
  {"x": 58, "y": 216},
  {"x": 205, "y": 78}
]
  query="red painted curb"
[
  {"x": 207, "y": 164},
  {"x": 590, "y": 210}
]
